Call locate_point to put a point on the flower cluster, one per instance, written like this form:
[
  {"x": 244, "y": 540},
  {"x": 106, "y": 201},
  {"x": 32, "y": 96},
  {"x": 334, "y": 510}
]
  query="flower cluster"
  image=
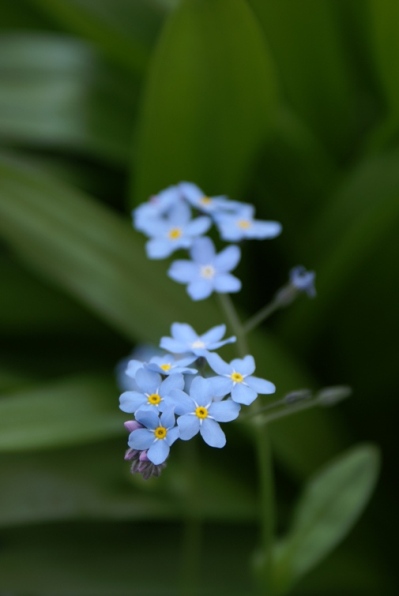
[
  {"x": 167, "y": 221},
  {"x": 173, "y": 398}
]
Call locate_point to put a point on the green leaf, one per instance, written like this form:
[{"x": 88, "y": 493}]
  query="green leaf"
[
  {"x": 330, "y": 505},
  {"x": 310, "y": 56},
  {"x": 76, "y": 410},
  {"x": 57, "y": 92},
  {"x": 209, "y": 102},
  {"x": 120, "y": 28}
]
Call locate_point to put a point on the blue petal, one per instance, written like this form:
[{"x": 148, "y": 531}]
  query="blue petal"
[
  {"x": 148, "y": 380},
  {"x": 226, "y": 283},
  {"x": 243, "y": 394},
  {"x": 212, "y": 433},
  {"x": 183, "y": 332},
  {"x": 183, "y": 271},
  {"x": 201, "y": 391},
  {"x": 200, "y": 289},
  {"x": 245, "y": 366},
  {"x": 173, "y": 435},
  {"x": 158, "y": 452},
  {"x": 131, "y": 400},
  {"x": 220, "y": 386},
  {"x": 228, "y": 259},
  {"x": 214, "y": 334},
  {"x": 172, "y": 345},
  {"x": 224, "y": 411},
  {"x": 168, "y": 418},
  {"x": 218, "y": 365},
  {"x": 264, "y": 229},
  {"x": 174, "y": 381},
  {"x": 148, "y": 418},
  {"x": 198, "y": 226},
  {"x": 141, "y": 439},
  {"x": 260, "y": 385},
  {"x": 159, "y": 248},
  {"x": 189, "y": 426},
  {"x": 203, "y": 251},
  {"x": 181, "y": 402}
]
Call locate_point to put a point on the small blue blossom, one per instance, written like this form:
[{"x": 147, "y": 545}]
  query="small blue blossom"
[
  {"x": 303, "y": 280},
  {"x": 236, "y": 378},
  {"x": 152, "y": 393},
  {"x": 157, "y": 206},
  {"x": 208, "y": 271},
  {"x": 173, "y": 232},
  {"x": 185, "y": 340},
  {"x": 157, "y": 436},
  {"x": 242, "y": 225},
  {"x": 168, "y": 365},
  {"x": 209, "y": 205},
  {"x": 199, "y": 413}
]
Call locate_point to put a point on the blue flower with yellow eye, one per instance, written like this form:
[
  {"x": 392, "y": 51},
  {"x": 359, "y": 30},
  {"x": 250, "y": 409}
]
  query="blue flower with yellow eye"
[
  {"x": 158, "y": 434},
  {"x": 185, "y": 340},
  {"x": 241, "y": 225}
]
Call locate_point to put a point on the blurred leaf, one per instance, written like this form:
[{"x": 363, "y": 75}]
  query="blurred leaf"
[
  {"x": 120, "y": 28},
  {"x": 307, "y": 46},
  {"x": 356, "y": 219},
  {"x": 209, "y": 102},
  {"x": 330, "y": 505},
  {"x": 64, "y": 413},
  {"x": 56, "y": 92}
]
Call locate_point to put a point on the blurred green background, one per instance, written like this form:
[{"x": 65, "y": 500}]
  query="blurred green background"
[{"x": 291, "y": 105}]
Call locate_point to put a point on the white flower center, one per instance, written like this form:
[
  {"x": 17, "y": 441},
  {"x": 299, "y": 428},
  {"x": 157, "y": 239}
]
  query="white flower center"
[
  {"x": 207, "y": 271},
  {"x": 198, "y": 344}
]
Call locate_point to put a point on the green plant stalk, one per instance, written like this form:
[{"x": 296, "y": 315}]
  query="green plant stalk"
[{"x": 264, "y": 456}]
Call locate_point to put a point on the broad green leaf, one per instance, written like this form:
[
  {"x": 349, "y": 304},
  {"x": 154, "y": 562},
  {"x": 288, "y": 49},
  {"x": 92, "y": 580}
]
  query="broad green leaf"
[
  {"x": 307, "y": 46},
  {"x": 95, "y": 256},
  {"x": 329, "y": 507},
  {"x": 62, "y": 413},
  {"x": 122, "y": 29},
  {"x": 57, "y": 92},
  {"x": 209, "y": 101}
]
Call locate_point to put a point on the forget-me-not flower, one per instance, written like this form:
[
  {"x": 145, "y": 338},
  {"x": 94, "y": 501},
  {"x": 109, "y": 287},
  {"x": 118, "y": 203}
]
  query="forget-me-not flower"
[
  {"x": 157, "y": 436},
  {"x": 303, "y": 280},
  {"x": 185, "y": 340},
  {"x": 210, "y": 205},
  {"x": 242, "y": 225},
  {"x": 157, "y": 206},
  {"x": 198, "y": 412},
  {"x": 153, "y": 391},
  {"x": 169, "y": 365},
  {"x": 236, "y": 378},
  {"x": 208, "y": 271},
  {"x": 175, "y": 231}
]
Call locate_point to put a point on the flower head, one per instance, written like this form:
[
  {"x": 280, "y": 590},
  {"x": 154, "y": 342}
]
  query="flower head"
[
  {"x": 158, "y": 434},
  {"x": 208, "y": 271},
  {"x": 198, "y": 412},
  {"x": 241, "y": 225},
  {"x": 152, "y": 391},
  {"x": 303, "y": 280},
  {"x": 185, "y": 340},
  {"x": 210, "y": 205},
  {"x": 236, "y": 378}
]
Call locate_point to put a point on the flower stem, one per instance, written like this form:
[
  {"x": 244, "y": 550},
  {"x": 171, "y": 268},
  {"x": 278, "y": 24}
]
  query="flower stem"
[
  {"x": 261, "y": 315},
  {"x": 264, "y": 457}
]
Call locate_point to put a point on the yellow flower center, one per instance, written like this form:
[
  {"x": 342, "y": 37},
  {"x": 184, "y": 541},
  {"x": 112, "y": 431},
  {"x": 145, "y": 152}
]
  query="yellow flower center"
[
  {"x": 207, "y": 271},
  {"x": 166, "y": 366},
  {"x": 201, "y": 412},
  {"x": 154, "y": 399},
  {"x": 205, "y": 201},
  {"x": 174, "y": 233},
  {"x": 236, "y": 377},
  {"x": 160, "y": 432},
  {"x": 244, "y": 224}
]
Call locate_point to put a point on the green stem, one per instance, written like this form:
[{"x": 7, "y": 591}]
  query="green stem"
[
  {"x": 264, "y": 459},
  {"x": 261, "y": 315},
  {"x": 191, "y": 541}
]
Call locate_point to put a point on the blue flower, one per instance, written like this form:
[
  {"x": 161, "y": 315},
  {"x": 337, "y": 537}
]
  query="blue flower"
[
  {"x": 157, "y": 206},
  {"x": 173, "y": 232},
  {"x": 208, "y": 271},
  {"x": 168, "y": 365},
  {"x": 237, "y": 226},
  {"x": 185, "y": 340},
  {"x": 236, "y": 378},
  {"x": 200, "y": 201},
  {"x": 303, "y": 280},
  {"x": 157, "y": 436},
  {"x": 152, "y": 393},
  {"x": 199, "y": 413}
]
